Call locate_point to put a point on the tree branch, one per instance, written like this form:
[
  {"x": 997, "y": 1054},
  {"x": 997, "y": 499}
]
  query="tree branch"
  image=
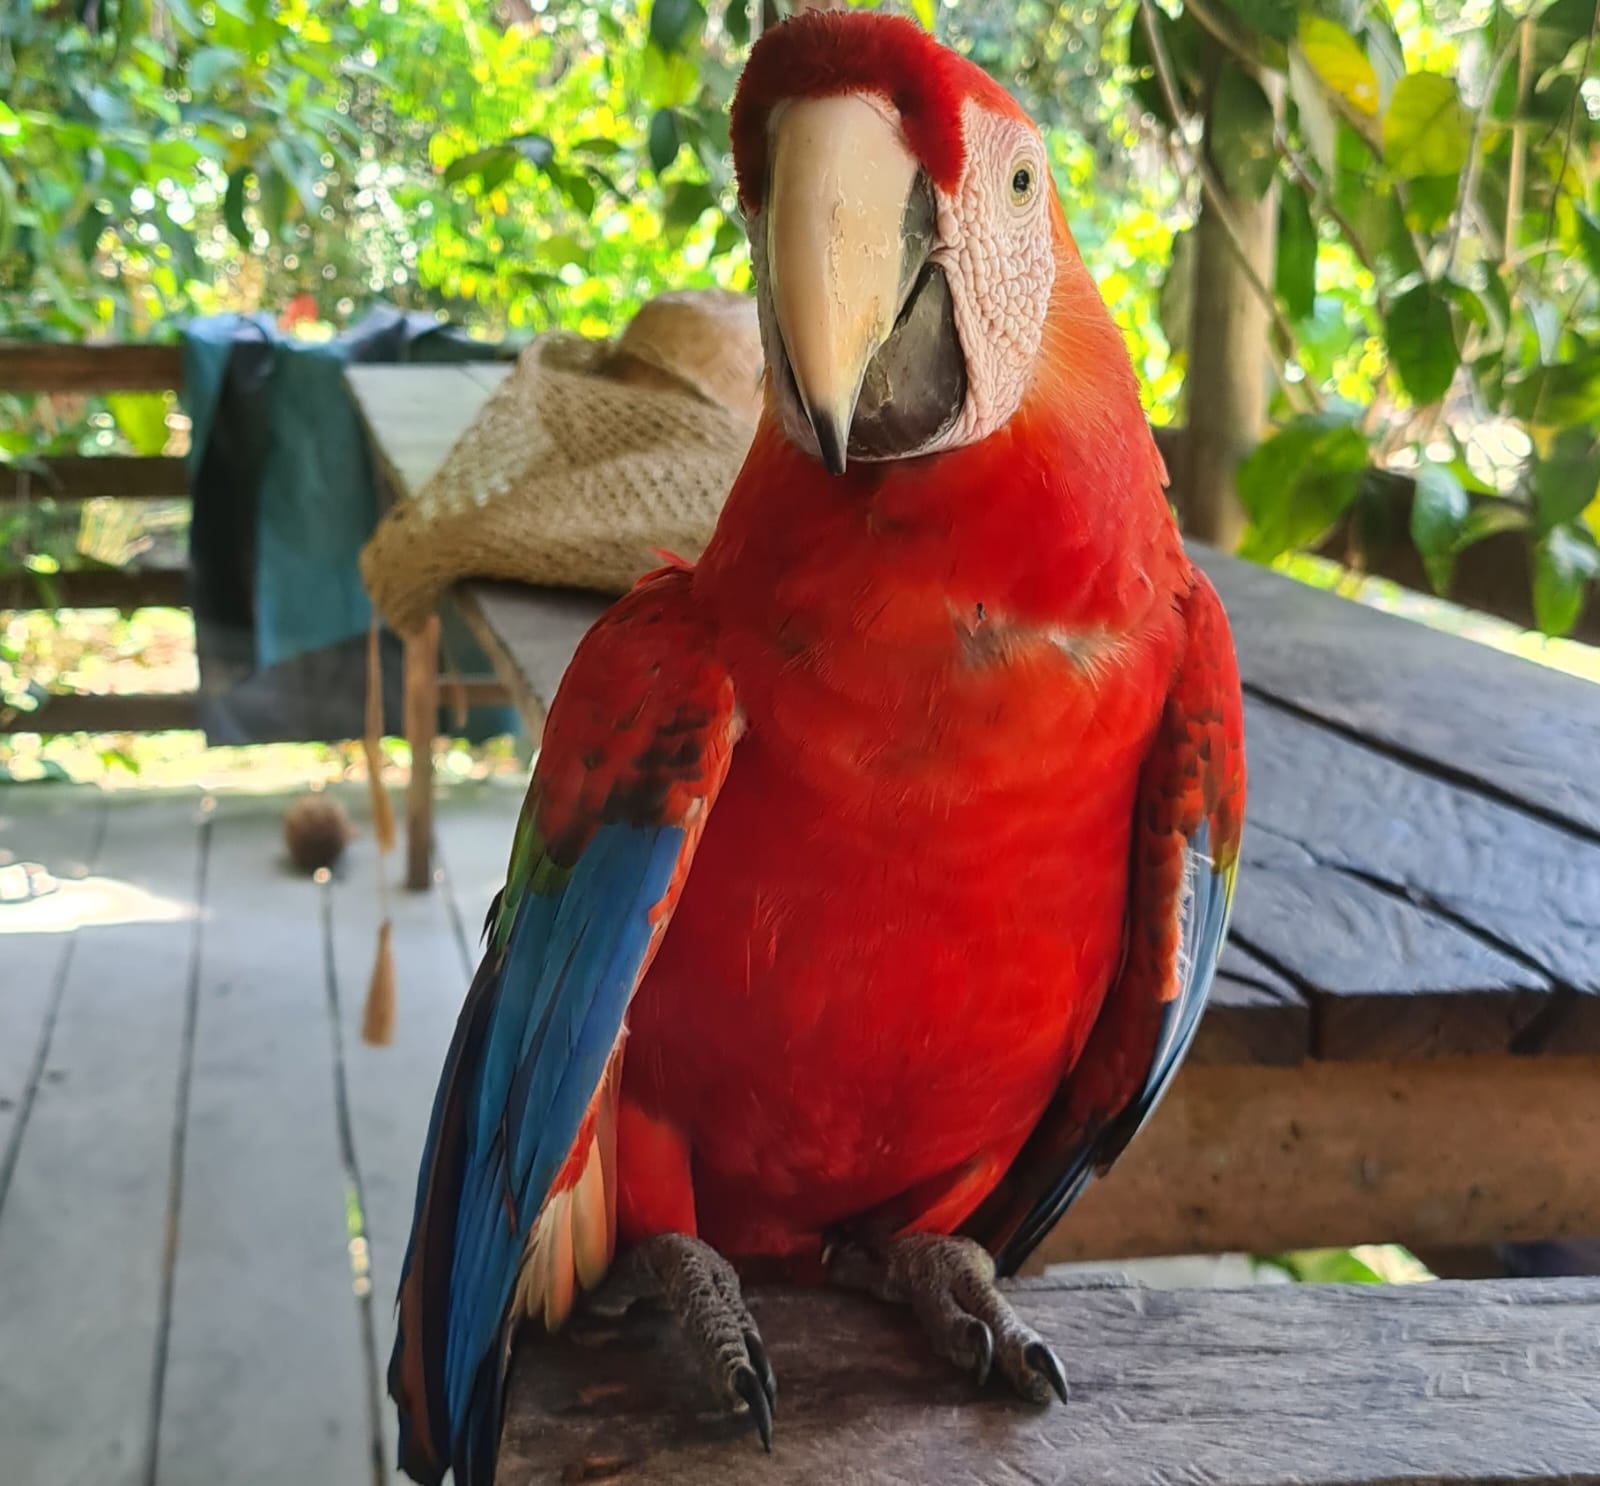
[{"x": 1216, "y": 199}]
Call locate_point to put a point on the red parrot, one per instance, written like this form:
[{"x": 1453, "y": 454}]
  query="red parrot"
[{"x": 875, "y": 867}]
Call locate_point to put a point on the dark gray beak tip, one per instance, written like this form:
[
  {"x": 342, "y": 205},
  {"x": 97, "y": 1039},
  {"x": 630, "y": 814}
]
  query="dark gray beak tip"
[{"x": 831, "y": 443}]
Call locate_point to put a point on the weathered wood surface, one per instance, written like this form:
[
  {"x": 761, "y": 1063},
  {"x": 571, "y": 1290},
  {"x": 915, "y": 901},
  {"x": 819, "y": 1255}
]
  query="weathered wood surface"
[
  {"x": 205, "y": 1177},
  {"x": 85, "y": 1220},
  {"x": 267, "y": 1376},
  {"x": 69, "y": 477},
  {"x": 57, "y": 366},
  {"x": 96, "y": 712},
  {"x": 1506, "y": 726},
  {"x": 1278, "y": 1386},
  {"x": 1422, "y": 1151},
  {"x": 98, "y": 588}
]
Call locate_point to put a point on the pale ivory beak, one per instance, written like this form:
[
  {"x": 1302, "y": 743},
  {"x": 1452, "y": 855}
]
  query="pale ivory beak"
[{"x": 841, "y": 178}]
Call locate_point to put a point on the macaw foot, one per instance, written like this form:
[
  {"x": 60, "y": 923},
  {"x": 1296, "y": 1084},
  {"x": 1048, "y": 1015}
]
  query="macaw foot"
[
  {"x": 701, "y": 1292},
  {"x": 949, "y": 1283}
]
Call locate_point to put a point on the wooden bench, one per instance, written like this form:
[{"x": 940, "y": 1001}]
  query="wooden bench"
[
  {"x": 1277, "y": 1386},
  {"x": 1404, "y": 1042}
]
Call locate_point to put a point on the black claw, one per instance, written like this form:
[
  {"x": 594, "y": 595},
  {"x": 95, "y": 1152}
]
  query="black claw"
[
  {"x": 983, "y": 1345},
  {"x": 1042, "y": 1360},
  {"x": 749, "y": 1387},
  {"x": 763, "y": 1366}
]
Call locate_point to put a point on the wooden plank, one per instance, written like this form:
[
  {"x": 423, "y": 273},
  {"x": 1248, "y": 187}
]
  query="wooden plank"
[
  {"x": 86, "y": 712},
  {"x": 54, "y": 366},
  {"x": 267, "y": 1377},
  {"x": 390, "y": 1089},
  {"x": 1427, "y": 1152},
  {"x": 1254, "y": 1014},
  {"x": 422, "y": 722},
  {"x": 76, "y": 477},
  {"x": 415, "y": 414},
  {"x": 1519, "y": 889},
  {"x": 58, "y": 828},
  {"x": 84, "y": 1230},
  {"x": 1281, "y": 1385},
  {"x": 98, "y": 588},
  {"x": 1510, "y": 728},
  {"x": 1385, "y": 977},
  {"x": 529, "y": 635}
]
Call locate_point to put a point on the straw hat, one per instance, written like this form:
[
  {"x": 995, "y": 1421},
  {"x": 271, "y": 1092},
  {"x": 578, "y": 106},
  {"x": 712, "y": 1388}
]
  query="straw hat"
[{"x": 586, "y": 460}]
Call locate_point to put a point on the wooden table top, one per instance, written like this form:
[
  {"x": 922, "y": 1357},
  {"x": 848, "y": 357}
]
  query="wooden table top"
[{"x": 1422, "y": 851}]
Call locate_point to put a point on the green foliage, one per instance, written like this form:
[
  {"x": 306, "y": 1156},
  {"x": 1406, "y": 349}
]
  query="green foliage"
[
  {"x": 1438, "y": 262},
  {"x": 554, "y": 162},
  {"x": 1301, "y": 480}
]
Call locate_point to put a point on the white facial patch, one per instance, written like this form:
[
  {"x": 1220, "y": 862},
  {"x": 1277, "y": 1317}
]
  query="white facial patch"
[{"x": 997, "y": 252}]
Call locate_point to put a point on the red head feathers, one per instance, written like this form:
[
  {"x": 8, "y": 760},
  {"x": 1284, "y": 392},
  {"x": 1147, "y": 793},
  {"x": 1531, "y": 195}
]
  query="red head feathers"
[{"x": 820, "y": 54}]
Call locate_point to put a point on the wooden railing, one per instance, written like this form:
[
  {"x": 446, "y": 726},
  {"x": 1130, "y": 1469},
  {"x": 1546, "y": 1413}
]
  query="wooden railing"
[{"x": 48, "y": 367}]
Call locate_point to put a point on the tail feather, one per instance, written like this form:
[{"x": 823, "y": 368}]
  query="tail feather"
[{"x": 416, "y": 1366}]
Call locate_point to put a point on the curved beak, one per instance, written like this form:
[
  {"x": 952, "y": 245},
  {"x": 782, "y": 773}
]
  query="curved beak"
[{"x": 848, "y": 232}]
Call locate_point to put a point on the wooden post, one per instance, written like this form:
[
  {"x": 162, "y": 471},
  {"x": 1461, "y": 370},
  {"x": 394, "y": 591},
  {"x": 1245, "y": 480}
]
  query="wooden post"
[
  {"x": 422, "y": 718},
  {"x": 1225, "y": 390}
]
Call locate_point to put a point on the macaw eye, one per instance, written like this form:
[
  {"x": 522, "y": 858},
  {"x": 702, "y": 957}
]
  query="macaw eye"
[{"x": 1022, "y": 183}]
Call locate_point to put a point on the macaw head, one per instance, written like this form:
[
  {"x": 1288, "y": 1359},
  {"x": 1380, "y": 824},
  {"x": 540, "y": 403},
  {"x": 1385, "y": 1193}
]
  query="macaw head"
[{"x": 909, "y": 250}]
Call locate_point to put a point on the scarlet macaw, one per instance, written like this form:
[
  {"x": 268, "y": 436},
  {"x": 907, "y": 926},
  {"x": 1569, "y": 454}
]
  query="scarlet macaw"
[{"x": 874, "y": 868}]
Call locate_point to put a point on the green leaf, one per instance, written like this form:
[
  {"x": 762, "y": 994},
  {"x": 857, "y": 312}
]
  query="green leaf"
[
  {"x": 1422, "y": 344},
  {"x": 1297, "y": 483},
  {"x": 208, "y": 66},
  {"x": 537, "y": 149},
  {"x": 687, "y": 202},
  {"x": 1430, "y": 200},
  {"x": 233, "y": 207},
  {"x": 1239, "y": 134},
  {"x": 1279, "y": 19},
  {"x": 1567, "y": 479},
  {"x": 1439, "y": 510},
  {"x": 1426, "y": 129},
  {"x": 500, "y": 159},
  {"x": 10, "y": 124},
  {"x": 674, "y": 23},
  {"x": 1175, "y": 303},
  {"x": 142, "y": 417},
  {"x": 1558, "y": 396},
  {"x": 1182, "y": 40},
  {"x": 663, "y": 138},
  {"x": 1339, "y": 62},
  {"x": 1588, "y": 238},
  {"x": 1489, "y": 518},
  {"x": 1296, "y": 276},
  {"x": 1565, "y": 562},
  {"x": 736, "y": 22}
]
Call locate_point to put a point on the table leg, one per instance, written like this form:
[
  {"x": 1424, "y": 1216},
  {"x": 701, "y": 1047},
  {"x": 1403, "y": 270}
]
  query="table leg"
[{"x": 422, "y": 718}]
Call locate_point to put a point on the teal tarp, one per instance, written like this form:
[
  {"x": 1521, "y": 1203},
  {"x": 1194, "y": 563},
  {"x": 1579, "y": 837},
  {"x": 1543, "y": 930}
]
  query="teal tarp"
[{"x": 284, "y": 498}]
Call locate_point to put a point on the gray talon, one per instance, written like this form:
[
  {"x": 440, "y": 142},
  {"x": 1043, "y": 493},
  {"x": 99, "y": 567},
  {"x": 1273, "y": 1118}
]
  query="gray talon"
[
  {"x": 949, "y": 1283},
  {"x": 701, "y": 1292},
  {"x": 1042, "y": 1360},
  {"x": 753, "y": 1391}
]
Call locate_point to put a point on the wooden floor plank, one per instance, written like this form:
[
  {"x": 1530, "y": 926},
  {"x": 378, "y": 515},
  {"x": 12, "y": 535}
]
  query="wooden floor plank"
[
  {"x": 57, "y": 827},
  {"x": 1274, "y": 1386},
  {"x": 1518, "y": 899},
  {"x": 1513, "y": 728},
  {"x": 267, "y": 1378},
  {"x": 83, "y": 1231},
  {"x": 391, "y": 1088}
]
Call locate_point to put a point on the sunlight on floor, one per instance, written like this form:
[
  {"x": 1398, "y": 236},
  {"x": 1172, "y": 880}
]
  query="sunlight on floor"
[{"x": 87, "y": 903}]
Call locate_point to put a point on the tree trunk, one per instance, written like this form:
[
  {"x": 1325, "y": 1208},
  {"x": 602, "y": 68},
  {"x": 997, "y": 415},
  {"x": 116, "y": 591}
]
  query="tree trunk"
[{"x": 1225, "y": 391}]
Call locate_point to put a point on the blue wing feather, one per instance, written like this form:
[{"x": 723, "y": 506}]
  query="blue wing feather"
[{"x": 543, "y": 1017}]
